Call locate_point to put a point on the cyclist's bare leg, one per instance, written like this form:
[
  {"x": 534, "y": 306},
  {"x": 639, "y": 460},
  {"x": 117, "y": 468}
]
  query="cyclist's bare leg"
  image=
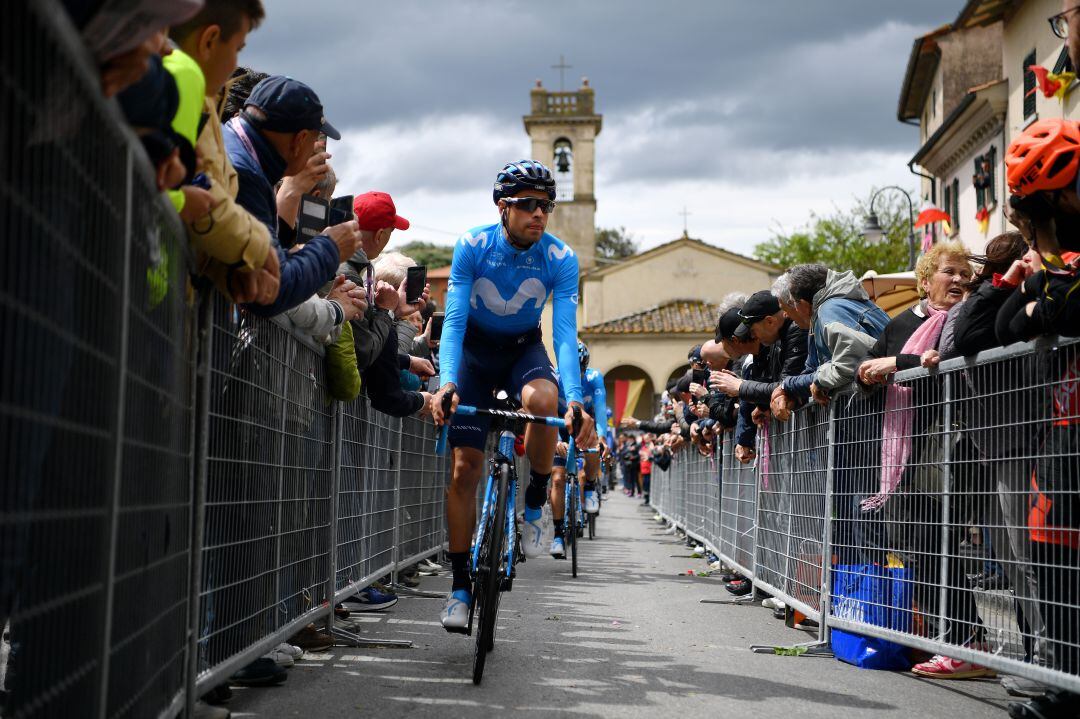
[
  {"x": 461, "y": 497},
  {"x": 592, "y": 472},
  {"x": 557, "y": 494},
  {"x": 540, "y": 397}
]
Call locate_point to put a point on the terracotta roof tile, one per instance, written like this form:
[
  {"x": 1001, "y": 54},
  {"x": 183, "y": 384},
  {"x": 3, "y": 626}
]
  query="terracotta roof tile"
[{"x": 672, "y": 317}]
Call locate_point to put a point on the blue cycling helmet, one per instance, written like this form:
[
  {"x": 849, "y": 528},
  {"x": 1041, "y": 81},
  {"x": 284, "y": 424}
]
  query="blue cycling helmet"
[
  {"x": 523, "y": 175},
  {"x": 583, "y": 355}
]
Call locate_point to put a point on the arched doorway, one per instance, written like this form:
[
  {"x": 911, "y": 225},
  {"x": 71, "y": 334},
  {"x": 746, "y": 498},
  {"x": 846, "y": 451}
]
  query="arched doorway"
[{"x": 645, "y": 406}]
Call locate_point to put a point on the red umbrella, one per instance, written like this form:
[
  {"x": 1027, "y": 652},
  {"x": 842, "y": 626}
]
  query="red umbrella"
[{"x": 930, "y": 215}]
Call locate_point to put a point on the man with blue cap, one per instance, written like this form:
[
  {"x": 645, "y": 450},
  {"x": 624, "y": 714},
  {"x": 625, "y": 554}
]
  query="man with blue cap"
[{"x": 273, "y": 137}]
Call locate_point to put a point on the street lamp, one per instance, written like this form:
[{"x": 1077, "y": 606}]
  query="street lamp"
[{"x": 873, "y": 232}]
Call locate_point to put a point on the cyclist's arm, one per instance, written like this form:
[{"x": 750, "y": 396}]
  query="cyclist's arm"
[
  {"x": 600, "y": 405},
  {"x": 458, "y": 290},
  {"x": 564, "y": 324}
]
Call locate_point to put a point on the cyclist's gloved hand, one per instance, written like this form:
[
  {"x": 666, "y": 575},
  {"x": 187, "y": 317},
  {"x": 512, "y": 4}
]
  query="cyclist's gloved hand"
[
  {"x": 586, "y": 436},
  {"x": 438, "y": 410}
]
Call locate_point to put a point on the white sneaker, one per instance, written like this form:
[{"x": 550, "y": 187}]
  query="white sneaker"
[
  {"x": 592, "y": 504},
  {"x": 532, "y": 537},
  {"x": 282, "y": 659},
  {"x": 455, "y": 612},
  {"x": 557, "y": 549},
  {"x": 293, "y": 651},
  {"x": 772, "y": 603}
]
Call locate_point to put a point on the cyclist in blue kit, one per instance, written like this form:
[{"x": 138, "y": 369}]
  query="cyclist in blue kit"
[
  {"x": 594, "y": 398},
  {"x": 500, "y": 279}
]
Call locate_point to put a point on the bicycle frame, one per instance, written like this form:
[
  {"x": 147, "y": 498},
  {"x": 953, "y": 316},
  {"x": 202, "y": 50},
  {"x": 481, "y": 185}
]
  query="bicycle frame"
[{"x": 502, "y": 454}]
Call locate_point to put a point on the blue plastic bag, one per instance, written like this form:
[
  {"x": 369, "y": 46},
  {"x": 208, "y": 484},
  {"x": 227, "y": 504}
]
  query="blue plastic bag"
[{"x": 866, "y": 593}]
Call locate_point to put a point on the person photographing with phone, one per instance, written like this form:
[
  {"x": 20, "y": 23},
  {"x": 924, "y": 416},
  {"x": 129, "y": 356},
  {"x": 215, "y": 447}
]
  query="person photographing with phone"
[{"x": 500, "y": 278}]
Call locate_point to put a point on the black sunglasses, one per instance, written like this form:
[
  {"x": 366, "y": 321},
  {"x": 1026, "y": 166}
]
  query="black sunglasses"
[{"x": 529, "y": 204}]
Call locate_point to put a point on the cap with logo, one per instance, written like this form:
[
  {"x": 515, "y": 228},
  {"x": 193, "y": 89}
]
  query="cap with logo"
[
  {"x": 289, "y": 106},
  {"x": 761, "y": 304},
  {"x": 376, "y": 210}
]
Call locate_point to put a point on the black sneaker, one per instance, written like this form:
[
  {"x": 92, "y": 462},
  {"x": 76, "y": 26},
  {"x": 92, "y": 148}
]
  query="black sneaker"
[
  {"x": 740, "y": 587},
  {"x": 1055, "y": 704},
  {"x": 260, "y": 673},
  {"x": 219, "y": 695}
]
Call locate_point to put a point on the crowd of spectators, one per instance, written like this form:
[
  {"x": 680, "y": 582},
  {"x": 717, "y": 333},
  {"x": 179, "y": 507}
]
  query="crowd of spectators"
[
  {"x": 816, "y": 338},
  {"x": 237, "y": 152}
]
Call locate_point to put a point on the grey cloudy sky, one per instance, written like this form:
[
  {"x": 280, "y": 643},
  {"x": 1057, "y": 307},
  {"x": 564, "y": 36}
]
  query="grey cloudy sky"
[{"x": 753, "y": 115}]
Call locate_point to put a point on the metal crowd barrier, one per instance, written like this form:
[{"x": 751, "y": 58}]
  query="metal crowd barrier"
[
  {"x": 306, "y": 499},
  {"x": 179, "y": 492},
  {"x": 942, "y": 513},
  {"x": 96, "y": 395}
]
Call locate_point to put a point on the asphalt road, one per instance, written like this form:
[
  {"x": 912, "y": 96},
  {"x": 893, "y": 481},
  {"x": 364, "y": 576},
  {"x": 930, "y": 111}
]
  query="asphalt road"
[{"x": 627, "y": 638}]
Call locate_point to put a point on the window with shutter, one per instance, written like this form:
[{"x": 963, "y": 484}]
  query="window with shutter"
[
  {"x": 1029, "y": 86},
  {"x": 946, "y": 201},
  {"x": 1064, "y": 63},
  {"x": 983, "y": 179},
  {"x": 978, "y": 179},
  {"x": 956, "y": 206}
]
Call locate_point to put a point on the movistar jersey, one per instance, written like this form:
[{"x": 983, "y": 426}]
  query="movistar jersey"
[
  {"x": 594, "y": 397},
  {"x": 502, "y": 290}
]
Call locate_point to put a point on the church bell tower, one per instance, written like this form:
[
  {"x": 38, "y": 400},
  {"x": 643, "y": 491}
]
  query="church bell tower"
[{"x": 563, "y": 127}]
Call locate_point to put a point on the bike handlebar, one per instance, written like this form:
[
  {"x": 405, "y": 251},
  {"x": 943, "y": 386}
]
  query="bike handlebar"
[{"x": 466, "y": 410}]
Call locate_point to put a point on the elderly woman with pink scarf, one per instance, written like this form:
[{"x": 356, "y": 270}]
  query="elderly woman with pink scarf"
[{"x": 910, "y": 438}]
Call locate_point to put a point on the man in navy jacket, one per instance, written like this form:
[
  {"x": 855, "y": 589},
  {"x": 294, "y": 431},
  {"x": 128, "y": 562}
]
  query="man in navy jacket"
[{"x": 275, "y": 136}]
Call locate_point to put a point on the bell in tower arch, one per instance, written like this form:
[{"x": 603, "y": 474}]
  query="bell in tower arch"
[
  {"x": 564, "y": 176},
  {"x": 563, "y": 153}
]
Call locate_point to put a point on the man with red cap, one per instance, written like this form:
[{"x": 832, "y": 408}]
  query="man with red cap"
[{"x": 373, "y": 333}]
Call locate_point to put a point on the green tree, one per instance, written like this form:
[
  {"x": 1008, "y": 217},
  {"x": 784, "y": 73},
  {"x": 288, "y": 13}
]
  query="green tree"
[
  {"x": 428, "y": 254},
  {"x": 615, "y": 243},
  {"x": 836, "y": 239}
]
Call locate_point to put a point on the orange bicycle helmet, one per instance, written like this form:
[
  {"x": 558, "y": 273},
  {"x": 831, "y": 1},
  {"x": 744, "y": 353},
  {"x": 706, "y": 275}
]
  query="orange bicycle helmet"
[{"x": 1044, "y": 157}]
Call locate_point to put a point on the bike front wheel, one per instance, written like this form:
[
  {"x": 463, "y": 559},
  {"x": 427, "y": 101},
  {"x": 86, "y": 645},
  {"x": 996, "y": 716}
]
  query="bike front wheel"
[
  {"x": 489, "y": 575},
  {"x": 572, "y": 516}
]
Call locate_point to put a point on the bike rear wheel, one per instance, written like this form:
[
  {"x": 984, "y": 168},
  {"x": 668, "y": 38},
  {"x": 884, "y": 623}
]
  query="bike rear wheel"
[{"x": 488, "y": 583}]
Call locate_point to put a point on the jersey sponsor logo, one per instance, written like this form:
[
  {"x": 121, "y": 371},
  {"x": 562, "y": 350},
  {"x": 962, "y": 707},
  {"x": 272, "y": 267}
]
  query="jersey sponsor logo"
[
  {"x": 573, "y": 298},
  {"x": 474, "y": 240},
  {"x": 554, "y": 253},
  {"x": 531, "y": 289}
]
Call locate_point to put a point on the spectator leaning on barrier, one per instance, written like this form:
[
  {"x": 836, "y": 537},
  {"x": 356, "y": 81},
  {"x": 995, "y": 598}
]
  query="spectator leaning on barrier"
[
  {"x": 910, "y": 449},
  {"x": 843, "y": 323},
  {"x": 275, "y": 137},
  {"x": 782, "y": 354},
  {"x": 375, "y": 335},
  {"x": 323, "y": 315},
  {"x": 1041, "y": 171},
  {"x": 232, "y": 246},
  {"x": 751, "y": 361},
  {"x": 391, "y": 267},
  {"x": 1003, "y": 430}
]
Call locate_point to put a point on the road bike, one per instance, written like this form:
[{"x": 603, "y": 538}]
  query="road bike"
[{"x": 496, "y": 548}]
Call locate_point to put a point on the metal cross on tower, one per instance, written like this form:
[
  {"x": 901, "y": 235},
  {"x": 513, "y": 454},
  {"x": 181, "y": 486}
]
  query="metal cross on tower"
[
  {"x": 685, "y": 214},
  {"x": 562, "y": 67}
]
